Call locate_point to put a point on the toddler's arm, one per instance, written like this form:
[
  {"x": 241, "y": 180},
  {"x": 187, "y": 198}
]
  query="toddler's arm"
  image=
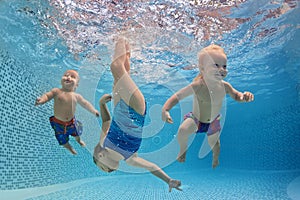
[
  {"x": 165, "y": 115},
  {"x": 105, "y": 115},
  {"x": 155, "y": 170},
  {"x": 236, "y": 95},
  {"x": 46, "y": 97},
  {"x": 87, "y": 105},
  {"x": 173, "y": 100}
]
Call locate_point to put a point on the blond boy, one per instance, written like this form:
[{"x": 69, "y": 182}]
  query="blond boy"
[
  {"x": 208, "y": 90},
  {"x": 64, "y": 122}
]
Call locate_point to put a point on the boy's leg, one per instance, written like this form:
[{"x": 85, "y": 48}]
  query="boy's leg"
[
  {"x": 63, "y": 140},
  {"x": 214, "y": 143},
  {"x": 187, "y": 127},
  {"x": 123, "y": 83},
  {"x": 136, "y": 161},
  {"x": 70, "y": 148}
]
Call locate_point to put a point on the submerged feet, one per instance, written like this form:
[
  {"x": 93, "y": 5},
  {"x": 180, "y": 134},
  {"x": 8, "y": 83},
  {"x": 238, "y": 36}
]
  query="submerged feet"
[
  {"x": 215, "y": 162},
  {"x": 82, "y": 143},
  {"x": 73, "y": 151},
  {"x": 174, "y": 184},
  {"x": 216, "y": 153},
  {"x": 181, "y": 157},
  {"x": 70, "y": 148}
]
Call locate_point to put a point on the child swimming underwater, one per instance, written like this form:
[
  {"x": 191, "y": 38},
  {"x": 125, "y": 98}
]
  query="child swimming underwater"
[{"x": 208, "y": 90}]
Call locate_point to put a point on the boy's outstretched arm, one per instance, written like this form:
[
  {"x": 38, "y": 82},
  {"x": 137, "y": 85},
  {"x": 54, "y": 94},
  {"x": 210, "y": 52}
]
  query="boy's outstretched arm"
[
  {"x": 105, "y": 116},
  {"x": 173, "y": 100},
  {"x": 87, "y": 105},
  {"x": 46, "y": 97},
  {"x": 155, "y": 170},
  {"x": 236, "y": 95},
  {"x": 165, "y": 115}
]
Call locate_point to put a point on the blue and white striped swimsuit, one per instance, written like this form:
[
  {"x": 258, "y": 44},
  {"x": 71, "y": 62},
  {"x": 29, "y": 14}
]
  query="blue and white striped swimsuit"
[{"x": 125, "y": 133}]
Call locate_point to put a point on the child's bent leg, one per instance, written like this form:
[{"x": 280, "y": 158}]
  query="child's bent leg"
[
  {"x": 130, "y": 93},
  {"x": 70, "y": 148},
  {"x": 214, "y": 143},
  {"x": 78, "y": 139},
  {"x": 155, "y": 170},
  {"x": 185, "y": 130},
  {"x": 123, "y": 84}
]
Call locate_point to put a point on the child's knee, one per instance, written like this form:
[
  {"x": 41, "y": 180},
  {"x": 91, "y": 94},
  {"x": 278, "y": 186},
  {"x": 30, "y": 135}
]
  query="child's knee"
[
  {"x": 152, "y": 167},
  {"x": 183, "y": 130},
  {"x": 213, "y": 139},
  {"x": 217, "y": 145},
  {"x": 213, "y": 142}
]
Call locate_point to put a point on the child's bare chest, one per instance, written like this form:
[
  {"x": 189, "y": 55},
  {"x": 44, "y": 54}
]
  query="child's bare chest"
[
  {"x": 65, "y": 98},
  {"x": 210, "y": 95}
]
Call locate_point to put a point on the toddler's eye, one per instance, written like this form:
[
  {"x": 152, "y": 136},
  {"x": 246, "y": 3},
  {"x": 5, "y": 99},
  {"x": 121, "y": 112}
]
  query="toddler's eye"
[{"x": 217, "y": 65}]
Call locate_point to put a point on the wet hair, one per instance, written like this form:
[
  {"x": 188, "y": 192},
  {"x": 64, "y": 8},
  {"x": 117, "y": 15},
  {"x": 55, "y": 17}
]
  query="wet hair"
[
  {"x": 199, "y": 76},
  {"x": 96, "y": 160},
  {"x": 204, "y": 53}
]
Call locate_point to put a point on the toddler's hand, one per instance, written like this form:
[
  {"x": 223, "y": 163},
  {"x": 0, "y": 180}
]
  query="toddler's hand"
[
  {"x": 97, "y": 113},
  {"x": 38, "y": 101},
  {"x": 166, "y": 117},
  {"x": 174, "y": 184},
  {"x": 248, "y": 96},
  {"x": 105, "y": 98}
]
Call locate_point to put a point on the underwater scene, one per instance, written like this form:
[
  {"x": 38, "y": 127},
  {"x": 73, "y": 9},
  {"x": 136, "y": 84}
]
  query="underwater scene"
[{"x": 258, "y": 140}]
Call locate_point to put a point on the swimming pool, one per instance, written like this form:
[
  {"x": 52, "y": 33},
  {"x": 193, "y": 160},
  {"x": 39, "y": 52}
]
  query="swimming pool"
[{"x": 260, "y": 142}]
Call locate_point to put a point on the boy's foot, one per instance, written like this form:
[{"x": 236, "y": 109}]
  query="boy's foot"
[
  {"x": 181, "y": 157},
  {"x": 78, "y": 139},
  {"x": 174, "y": 184},
  {"x": 82, "y": 143},
  {"x": 73, "y": 151},
  {"x": 215, "y": 163},
  {"x": 70, "y": 148}
]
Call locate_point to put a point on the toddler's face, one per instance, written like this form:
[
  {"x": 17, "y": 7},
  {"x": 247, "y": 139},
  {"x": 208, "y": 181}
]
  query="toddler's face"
[
  {"x": 215, "y": 66},
  {"x": 103, "y": 166},
  {"x": 102, "y": 160},
  {"x": 70, "y": 79}
]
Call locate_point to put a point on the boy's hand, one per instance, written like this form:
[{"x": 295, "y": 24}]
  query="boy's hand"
[
  {"x": 105, "y": 98},
  {"x": 97, "y": 113},
  {"x": 38, "y": 101},
  {"x": 166, "y": 117},
  {"x": 248, "y": 96},
  {"x": 174, "y": 184}
]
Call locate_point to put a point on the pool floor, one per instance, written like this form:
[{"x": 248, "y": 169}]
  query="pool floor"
[{"x": 203, "y": 184}]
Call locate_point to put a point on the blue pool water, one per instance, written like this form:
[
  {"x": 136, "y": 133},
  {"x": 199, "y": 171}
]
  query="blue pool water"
[{"x": 260, "y": 141}]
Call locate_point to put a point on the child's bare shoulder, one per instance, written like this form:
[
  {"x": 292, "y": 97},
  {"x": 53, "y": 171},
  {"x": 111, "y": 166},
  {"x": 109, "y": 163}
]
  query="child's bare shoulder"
[
  {"x": 199, "y": 83},
  {"x": 78, "y": 96},
  {"x": 56, "y": 91},
  {"x": 226, "y": 84}
]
